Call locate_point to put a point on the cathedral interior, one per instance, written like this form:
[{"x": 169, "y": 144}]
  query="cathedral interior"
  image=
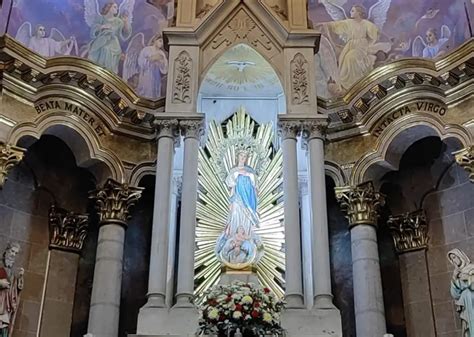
[{"x": 152, "y": 151}]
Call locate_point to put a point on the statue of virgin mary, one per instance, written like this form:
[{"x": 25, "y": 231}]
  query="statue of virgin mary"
[{"x": 239, "y": 246}]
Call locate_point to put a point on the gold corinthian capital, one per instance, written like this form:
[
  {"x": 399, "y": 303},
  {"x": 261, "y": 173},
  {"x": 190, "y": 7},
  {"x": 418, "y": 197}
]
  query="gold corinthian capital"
[
  {"x": 68, "y": 230},
  {"x": 114, "y": 201},
  {"x": 465, "y": 159},
  {"x": 361, "y": 203},
  {"x": 409, "y": 231},
  {"x": 10, "y": 156}
]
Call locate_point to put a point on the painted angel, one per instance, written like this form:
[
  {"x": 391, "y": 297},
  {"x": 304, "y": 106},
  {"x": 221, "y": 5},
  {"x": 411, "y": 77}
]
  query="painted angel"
[
  {"x": 53, "y": 45},
  {"x": 434, "y": 46},
  {"x": 327, "y": 71},
  {"x": 360, "y": 34},
  {"x": 108, "y": 26},
  {"x": 149, "y": 63}
]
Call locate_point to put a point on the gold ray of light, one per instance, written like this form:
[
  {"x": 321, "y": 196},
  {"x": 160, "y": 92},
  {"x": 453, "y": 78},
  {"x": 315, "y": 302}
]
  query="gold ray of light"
[{"x": 215, "y": 161}]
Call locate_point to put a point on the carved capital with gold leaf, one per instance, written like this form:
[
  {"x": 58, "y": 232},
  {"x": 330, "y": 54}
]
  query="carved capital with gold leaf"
[
  {"x": 68, "y": 230},
  {"x": 409, "y": 231},
  {"x": 361, "y": 203},
  {"x": 465, "y": 159},
  {"x": 114, "y": 202},
  {"x": 10, "y": 156}
]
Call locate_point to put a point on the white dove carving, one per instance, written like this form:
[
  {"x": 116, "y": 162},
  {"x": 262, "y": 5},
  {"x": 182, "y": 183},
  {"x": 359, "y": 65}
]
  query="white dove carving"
[{"x": 240, "y": 65}]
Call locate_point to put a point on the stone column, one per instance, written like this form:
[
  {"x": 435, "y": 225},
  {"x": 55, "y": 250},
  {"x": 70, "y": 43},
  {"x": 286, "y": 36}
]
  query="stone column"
[
  {"x": 361, "y": 203},
  {"x": 192, "y": 131},
  {"x": 114, "y": 201},
  {"x": 68, "y": 231},
  {"x": 306, "y": 241},
  {"x": 288, "y": 131},
  {"x": 314, "y": 131},
  {"x": 166, "y": 134},
  {"x": 465, "y": 159},
  {"x": 10, "y": 156},
  {"x": 410, "y": 237}
]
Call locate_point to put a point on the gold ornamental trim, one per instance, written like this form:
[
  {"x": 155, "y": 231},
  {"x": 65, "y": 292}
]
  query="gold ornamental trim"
[
  {"x": 465, "y": 159},
  {"x": 409, "y": 231},
  {"x": 10, "y": 156},
  {"x": 361, "y": 203},
  {"x": 68, "y": 230}
]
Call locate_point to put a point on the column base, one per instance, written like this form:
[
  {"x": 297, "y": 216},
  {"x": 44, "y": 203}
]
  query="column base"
[
  {"x": 323, "y": 302},
  {"x": 314, "y": 323},
  {"x": 179, "y": 321}
]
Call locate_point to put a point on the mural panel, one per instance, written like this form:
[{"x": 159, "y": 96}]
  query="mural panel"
[
  {"x": 358, "y": 36},
  {"x": 124, "y": 37}
]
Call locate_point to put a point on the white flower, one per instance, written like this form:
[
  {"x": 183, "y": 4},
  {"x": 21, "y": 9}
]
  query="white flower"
[
  {"x": 267, "y": 317},
  {"x": 276, "y": 317},
  {"x": 213, "y": 313},
  {"x": 237, "y": 314},
  {"x": 247, "y": 299},
  {"x": 248, "y": 317}
]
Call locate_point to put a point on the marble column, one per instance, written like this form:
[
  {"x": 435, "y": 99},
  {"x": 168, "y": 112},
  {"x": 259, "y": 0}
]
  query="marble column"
[
  {"x": 361, "y": 203},
  {"x": 9, "y": 157},
  {"x": 288, "y": 131},
  {"x": 306, "y": 240},
  {"x": 410, "y": 237},
  {"x": 192, "y": 131},
  {"x": 113, "y": 201},
  {"x": 166, "y": 134},
  {"x": 314, "y": 132},
  {"x": 465, "y": 159}
]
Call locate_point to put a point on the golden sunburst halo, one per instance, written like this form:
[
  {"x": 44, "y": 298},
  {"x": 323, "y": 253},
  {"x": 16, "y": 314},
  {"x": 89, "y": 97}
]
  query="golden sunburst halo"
[{"x": 215, "y": 161}]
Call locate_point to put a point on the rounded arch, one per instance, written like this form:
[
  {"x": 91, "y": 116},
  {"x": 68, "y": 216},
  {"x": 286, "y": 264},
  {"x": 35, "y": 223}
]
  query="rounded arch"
[
  {"x": 85, "y": 145},
  {"x": 140, "y": 171},
  {"x": 335, "y": 172},
  {"x": 205, "y": 67},
  {"x": 396, "y": 139}
]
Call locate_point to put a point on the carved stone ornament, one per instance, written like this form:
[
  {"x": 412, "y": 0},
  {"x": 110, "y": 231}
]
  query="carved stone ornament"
[
  {"x": 114, "y": 201},
  {"x": 192, "y": 128},
  {"x": 361, "y": 203},
  {"x": 183, "y": 65},
  {"x": 299, "y": 80},
  {"x": 289, "y": 129},
  {"x": 465, "y": 159},
  {"x": 9, "y": 157},
  {"x": 166, "y": 127},
  {"x": 314, "y": 129},
  {"x": 409, "y": 231},
  {"x": 67, "y": 230}
]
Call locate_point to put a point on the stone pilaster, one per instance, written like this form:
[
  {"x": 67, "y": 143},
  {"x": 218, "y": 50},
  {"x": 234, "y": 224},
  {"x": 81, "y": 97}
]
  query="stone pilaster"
[
  {"x": 10, "y": 156},
  {"x": 410, "y": 236},
  {"x": 113, "y": 201},
  {"x": 361, "y": 203},
  {"x": 68, "y": 230},
  {"x": 465, "y": 159},
  {"x": 409, "y": 231}
]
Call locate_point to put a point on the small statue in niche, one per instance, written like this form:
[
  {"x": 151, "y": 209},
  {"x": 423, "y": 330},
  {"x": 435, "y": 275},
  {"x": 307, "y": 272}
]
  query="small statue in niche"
[
  {"x": 462, "y": 289},
  {"x": 11, "y": 283}
]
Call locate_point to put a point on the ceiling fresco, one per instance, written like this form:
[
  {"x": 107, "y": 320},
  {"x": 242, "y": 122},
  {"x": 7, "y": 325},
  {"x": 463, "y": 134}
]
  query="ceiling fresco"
[
  {"x": 358, "y": 36},
  {"x": 124, "y": 37}
]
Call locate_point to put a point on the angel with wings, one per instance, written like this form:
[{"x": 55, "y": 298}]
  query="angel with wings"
[
  {"x": 107, "y": 26},
  {"x": 360, "y": 34},
  {"x": 434, "y": 46},
  {"x": 149, "y": 63},
  {"x": 54, "y": 45}
]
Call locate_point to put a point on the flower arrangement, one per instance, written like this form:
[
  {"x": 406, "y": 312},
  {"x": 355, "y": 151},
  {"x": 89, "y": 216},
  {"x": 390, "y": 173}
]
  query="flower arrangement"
[{"x": 240, "y": 307}]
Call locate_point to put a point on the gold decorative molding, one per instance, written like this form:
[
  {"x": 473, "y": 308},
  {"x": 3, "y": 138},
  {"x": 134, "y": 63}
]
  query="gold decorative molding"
[
  {"x": 409, "y": 231},
  {"x": 28, "y": 70},
  {"x": 114, "y": 201},
  {"x": 9, "y": 157},
  {"x": 361, "y": 203},
  {"x": 67, "y": 230},
  {"x": 465, "y": 159}
]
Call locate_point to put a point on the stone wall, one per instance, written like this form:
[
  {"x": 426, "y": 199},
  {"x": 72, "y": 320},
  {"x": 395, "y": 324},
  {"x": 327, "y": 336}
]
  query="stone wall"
[
  {"x": 48, "y": 173},
  {"x": 429, "y": 178}
]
